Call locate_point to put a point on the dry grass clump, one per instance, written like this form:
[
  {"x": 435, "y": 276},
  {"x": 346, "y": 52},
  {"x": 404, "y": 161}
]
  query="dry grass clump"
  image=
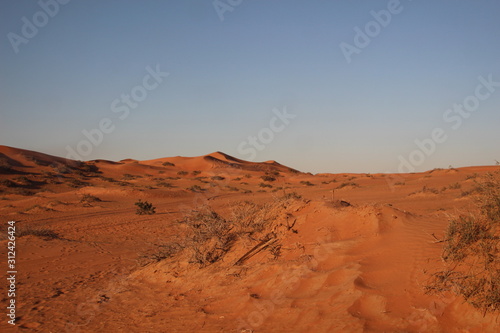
[
  {"x": 268, "y": 178},
  {"x": 42, "y": 232},
  {"x": 471, "y": 251},
  {"x": 163, "y": 251},
  {"x": 210, "y": 236},
  {"x": 346, "y": 184},
  {"x": 88, "y": 199}
]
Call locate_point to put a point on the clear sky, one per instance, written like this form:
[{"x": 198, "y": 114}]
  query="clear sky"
[{"x": 354, "y": 83}]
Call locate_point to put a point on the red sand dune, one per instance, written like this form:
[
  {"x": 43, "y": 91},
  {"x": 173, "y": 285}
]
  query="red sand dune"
[{"x": 360, "y": 266}]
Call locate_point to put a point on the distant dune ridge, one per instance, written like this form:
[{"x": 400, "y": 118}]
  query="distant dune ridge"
[{"x": 16, "y": 157}]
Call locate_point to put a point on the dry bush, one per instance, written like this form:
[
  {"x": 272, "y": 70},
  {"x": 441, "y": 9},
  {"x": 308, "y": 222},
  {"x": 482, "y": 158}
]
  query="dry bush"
[
  {"x": 471, "y": 251},
  {"x": 268, "y": 178},
  {"x": 88, "y": 199},
  {"x": 345, "y": 184},
  {"x": 144, "y": 208},
  {"x": 163, "y": 251},
  {"x": 164, "y": 184},
  {"x": 211, "y": 235},
  {"x": 42, "y": 232}
]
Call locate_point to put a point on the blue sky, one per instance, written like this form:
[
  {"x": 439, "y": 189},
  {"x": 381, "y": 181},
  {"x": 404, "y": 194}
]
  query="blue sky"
[{"x": 225, "y": 78}]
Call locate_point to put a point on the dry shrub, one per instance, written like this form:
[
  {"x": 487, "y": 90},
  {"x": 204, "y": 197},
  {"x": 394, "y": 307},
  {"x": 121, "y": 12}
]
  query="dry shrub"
[
  {"x": 211, "y": 235},
  {"x": 163, "y": 251},
  {"x": 88, "y": 199},
  {"x": 144, "y": 208},
  {"x": 42, "y": 232},
  {"x": 471, "y": 251}
]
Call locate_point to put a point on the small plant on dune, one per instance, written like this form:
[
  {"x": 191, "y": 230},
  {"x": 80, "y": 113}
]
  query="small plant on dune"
[
  {"x": 164, "y": 184},
  {"x": 196, "y": 188},
  {"x": 473, "y": 176},
  {"x": 196, "y": 172},
  {"x": 265, "y": 185},
  {"x": 168, "y": 164},
  {"x": 76, "y": 183},
  {"x": 88, "y": 199},
  {"x": 426, "y": 189},
  {"x": 345, "y": 184},
  {"x": 61, "y": 168},
  {"x": 455, "y": 186},
  {"x": 293, "y": 195},
  {"x": 108, "y": 179},
  {"x": 218, "y": 178},
  {"x": 471, "y": 252},
  {"x": 42, "y": 232},
  {"x": 307, "y": 183},
  {"x": 268, "y": 178},
  {"x": 164, "y": 251},
  {"x": 144, "y": 208},
  {"x": 182, "y": 173},
  {"x": 128, "y": 176}
]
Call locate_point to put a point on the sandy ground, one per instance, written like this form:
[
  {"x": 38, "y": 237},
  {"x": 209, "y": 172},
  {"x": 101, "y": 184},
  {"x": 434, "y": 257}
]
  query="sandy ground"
[{"x": 360, "y": 266}]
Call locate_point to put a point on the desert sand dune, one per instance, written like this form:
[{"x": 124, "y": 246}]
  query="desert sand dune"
[{"x": 339, "y": 252}]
